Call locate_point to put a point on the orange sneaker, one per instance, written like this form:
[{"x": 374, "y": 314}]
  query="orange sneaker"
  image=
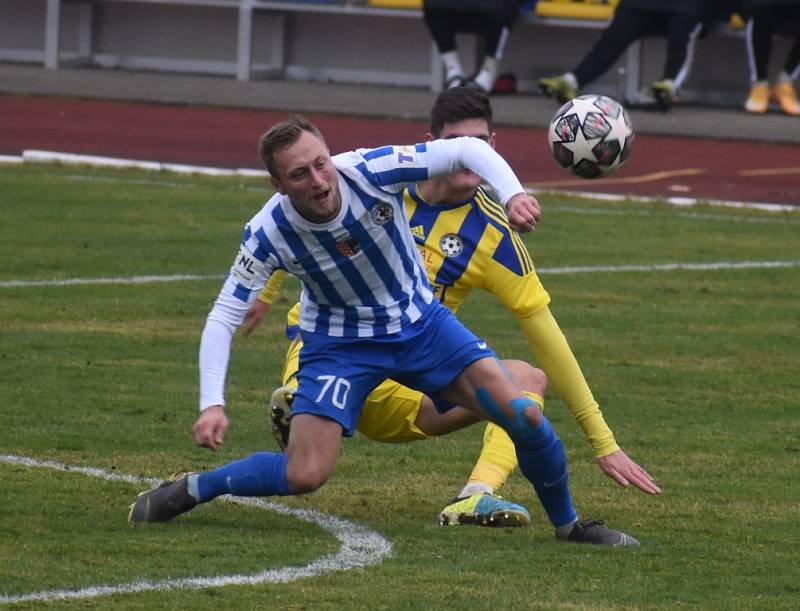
[
  {"x": 758, "y": 100},
  {"x": 785, "y": 94}
]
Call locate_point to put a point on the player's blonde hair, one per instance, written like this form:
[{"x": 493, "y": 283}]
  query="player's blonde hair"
[{"x": 282, "y": 135}]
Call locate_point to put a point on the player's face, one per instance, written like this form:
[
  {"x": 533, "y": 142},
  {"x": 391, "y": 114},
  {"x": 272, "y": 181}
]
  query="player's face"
[
  {"x": 306, "y": 174},
  {"x": 466, "y": 181}
]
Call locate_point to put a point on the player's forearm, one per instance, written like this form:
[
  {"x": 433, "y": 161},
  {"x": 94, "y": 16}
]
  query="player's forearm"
[
  {"x": 478, "y": 156},
  {"x": 215, "y": 346},
  {"x": 215, "y": 350},
  {"x": 555, "y": 357}
]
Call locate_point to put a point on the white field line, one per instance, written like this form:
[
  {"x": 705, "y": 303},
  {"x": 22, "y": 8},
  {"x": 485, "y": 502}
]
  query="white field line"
[
  {"x": 669, "y": 267},
  {"x": 360, "y": 547},
  {"x": 165, "y": 184},
  {"x": 117, "y": 280},
  {"x": 672, "y": 200},
  {"x": 683, "y": 215},
  {"x": 585, "y": 269}
]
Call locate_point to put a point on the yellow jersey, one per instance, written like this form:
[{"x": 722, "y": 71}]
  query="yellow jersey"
[{"x": 469, "y": 245}]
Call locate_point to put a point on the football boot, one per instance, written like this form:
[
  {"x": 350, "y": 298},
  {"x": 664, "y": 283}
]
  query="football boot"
[
  {"x": 279, "y": 413},
  {"x": 787, "y": 98},
  {"x": 484, "y": 510},
  {"x": 597, "y": 533},
  {"x": 663, "y": 94},
  {"x": 162, "y": 503},
  {"x": 558, "y": 87},
  {"x": 758, "y": 100}
]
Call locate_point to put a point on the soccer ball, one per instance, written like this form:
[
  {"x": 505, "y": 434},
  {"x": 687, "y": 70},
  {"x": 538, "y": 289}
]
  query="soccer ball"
[{"x": 591, "y": 136}]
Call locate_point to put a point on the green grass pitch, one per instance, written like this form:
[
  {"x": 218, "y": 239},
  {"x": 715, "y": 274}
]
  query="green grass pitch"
[{"x": 695, "y": 369}]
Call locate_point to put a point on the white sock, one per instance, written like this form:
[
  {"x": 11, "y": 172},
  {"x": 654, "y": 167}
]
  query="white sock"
[
  {"x": 191, "y": 486},
  {"x": 452, "y": 65},
  {"x": 475, "y": 488},
  {"x": 570, "y": 78},
  {"x": 488, "y": 74},
  {"x": 562, "y": 532},
  {"x": 784, "y": 77}
]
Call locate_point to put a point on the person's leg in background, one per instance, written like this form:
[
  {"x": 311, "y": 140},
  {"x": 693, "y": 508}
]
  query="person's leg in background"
[
  {"x": 682, "y": 33},
  {"x": 784, "y": 90},
  {"x": 627, "y": 26},
  {"x": 758, "y": 39}
]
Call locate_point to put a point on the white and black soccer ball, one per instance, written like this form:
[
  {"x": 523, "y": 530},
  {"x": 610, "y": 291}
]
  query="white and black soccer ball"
[{"x": 591, "y": 136}]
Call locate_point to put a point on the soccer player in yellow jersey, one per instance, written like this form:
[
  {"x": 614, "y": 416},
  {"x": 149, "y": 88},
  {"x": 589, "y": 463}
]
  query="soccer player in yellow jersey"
[{"x": 466, "y": 243}]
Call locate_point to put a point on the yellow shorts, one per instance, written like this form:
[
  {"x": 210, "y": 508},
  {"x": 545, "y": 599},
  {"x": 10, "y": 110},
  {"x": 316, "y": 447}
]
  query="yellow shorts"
[{"x": 389, "y": 412}]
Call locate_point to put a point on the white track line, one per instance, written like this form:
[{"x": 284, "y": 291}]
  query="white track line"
[
  {"x": 35, "y": 156},
  {"x": 118, "y": 280},
  {"x": 585, "y": 269},
  {"x": 360, "y": 547}
]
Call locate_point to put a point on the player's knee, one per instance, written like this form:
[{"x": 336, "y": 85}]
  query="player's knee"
[
  {"x": 306, "y": 476},
  {"x": 527, "y": 377},
  {"x": 519, "y": 416},
  {"x": 305, "y": 480}
]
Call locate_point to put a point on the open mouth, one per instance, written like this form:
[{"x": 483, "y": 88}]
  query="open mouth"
[{"x": 323, "y": 195}]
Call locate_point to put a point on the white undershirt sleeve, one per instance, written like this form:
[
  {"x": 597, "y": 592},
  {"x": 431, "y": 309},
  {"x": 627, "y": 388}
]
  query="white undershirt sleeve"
[
  {"x": 448, "y": 156},
  {"x": 223, "y": 320},
  {"x": 215, "y": 347}
]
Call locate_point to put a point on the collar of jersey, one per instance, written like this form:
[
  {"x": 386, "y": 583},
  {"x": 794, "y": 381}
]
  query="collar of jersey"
[{"x": 412, "y": 190}]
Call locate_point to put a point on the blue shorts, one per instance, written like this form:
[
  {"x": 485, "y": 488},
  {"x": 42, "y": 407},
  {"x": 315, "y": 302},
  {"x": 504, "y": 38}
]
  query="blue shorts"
[{"x": 336, "y": 374}]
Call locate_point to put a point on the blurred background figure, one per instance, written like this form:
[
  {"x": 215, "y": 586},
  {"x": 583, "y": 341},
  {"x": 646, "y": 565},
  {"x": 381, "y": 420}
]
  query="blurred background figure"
[
  {"x": 491, "y": 19},
  {"x": 766, "y": 18},
  {"x": 680, "y": 21}
]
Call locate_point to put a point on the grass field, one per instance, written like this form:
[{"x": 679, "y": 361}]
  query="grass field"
[{"x": 696, "y": 371}]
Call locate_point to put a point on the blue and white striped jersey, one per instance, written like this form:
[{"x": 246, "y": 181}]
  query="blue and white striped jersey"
[{"x": 361, "y": 272}]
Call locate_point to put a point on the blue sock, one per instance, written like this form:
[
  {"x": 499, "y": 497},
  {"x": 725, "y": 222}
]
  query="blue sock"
[
  {"x": 540, "y": 454},
  {"x": 543, "y": 462},
  {"x": 260, "y": 474}
]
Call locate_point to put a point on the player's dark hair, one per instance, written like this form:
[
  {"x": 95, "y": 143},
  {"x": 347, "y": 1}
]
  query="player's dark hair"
[
  {"x": 282, "y": 135},
  {"x": 457, "y": 104}
]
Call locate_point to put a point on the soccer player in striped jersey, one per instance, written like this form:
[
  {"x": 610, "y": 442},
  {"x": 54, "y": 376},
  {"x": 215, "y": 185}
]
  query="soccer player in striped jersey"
[
  {"x": 367, "y": 313},
  {"x": 466, "y": 243}
]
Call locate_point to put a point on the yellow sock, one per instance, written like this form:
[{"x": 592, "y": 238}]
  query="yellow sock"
[{"x": 498, "y": 457}]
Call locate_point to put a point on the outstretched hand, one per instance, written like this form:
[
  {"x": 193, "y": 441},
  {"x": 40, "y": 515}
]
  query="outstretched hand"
[
  {"x": 619, "y": 467},
  {"x": 524, "y": 212},
  {"x": 209, "y": 429}
]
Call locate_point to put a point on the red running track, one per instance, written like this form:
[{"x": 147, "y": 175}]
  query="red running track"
[{"x": 659, "y": 165}]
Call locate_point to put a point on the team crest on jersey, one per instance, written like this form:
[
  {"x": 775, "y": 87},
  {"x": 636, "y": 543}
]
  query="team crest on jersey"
[
  {"x": 348, "y": 245},
  {"x": 451, "y": 245},
  {"x": 381, "y": 213}
]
